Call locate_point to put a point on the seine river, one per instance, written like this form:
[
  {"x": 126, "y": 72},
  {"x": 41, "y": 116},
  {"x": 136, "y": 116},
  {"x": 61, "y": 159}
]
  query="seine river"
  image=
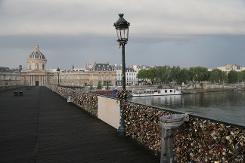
[{"x": 223, "y": 106}]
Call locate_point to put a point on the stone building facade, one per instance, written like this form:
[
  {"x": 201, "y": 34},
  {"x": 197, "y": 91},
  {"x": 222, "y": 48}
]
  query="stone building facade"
[
  {"x": 231, "y": 67},
  {"x": 10, "y": 77},
  {"x": 131, "y": 75},
  {"x": 35, "y": 73},
  {"x": 85, "y": 78}
]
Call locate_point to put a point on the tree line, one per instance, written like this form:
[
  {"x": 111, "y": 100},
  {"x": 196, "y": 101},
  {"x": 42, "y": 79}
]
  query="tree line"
[{"x": 167, "y": 74}]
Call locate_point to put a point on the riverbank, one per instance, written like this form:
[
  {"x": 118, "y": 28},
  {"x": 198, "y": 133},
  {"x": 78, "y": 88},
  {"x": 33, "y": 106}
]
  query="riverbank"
[
  {"x": 196, "y": 88},
  {"x": 199, "y": 90}
]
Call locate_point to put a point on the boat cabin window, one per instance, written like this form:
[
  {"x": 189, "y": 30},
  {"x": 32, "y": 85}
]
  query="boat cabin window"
[
  {"x": 171, "y": 90},
  {"x": 166, "y": 91}
]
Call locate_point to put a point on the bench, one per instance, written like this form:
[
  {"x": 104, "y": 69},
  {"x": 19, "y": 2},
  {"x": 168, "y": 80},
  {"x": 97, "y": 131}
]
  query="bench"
[
  {"x": 15, "y": 93},
  {"x": 18, "y": 93}
]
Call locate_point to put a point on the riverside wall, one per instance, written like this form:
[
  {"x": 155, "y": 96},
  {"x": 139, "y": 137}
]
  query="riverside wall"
[{"x": 198, "y": 140}]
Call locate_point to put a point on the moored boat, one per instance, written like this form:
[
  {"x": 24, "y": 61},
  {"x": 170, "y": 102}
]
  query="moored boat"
[{"x": 155, "y": 92}]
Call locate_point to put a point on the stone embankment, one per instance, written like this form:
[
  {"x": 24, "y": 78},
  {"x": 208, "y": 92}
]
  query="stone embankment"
[
  {"x": 197, "y": 88},
  {"x": 198, "y": 140}
]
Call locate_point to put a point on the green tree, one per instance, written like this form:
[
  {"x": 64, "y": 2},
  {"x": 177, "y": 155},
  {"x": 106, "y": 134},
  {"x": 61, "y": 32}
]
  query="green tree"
[
  {"x": 199, "y": 74},
  {"x": 217, "y": 76},
  {"x": 184, "y": 76},
  {"x": 151, "y": 74},
  {"x": 142, "y": 74},
  {"x": 242, "y": 75},
  {"x": 99, "y": 86},
  {"x": 175, "y": 74},
  {"x": 164, "y": 74},
  {"x": 233, "y": 76},
  {"x": 91, "y": 87}
]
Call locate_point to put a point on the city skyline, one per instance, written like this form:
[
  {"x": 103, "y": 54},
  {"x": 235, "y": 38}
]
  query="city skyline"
[
  {"x": 191, "y": 33},
  {"x": 87, "y": 65}
]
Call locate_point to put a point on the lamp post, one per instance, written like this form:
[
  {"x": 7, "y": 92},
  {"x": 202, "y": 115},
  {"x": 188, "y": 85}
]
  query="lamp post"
[
  {"x": 58, "y": 72},
  {"x": 122, "y": 29}
]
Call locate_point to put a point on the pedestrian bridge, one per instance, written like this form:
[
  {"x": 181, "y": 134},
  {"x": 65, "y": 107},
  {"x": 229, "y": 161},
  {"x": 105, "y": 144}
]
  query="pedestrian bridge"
[{"x": 41, "y": 126}]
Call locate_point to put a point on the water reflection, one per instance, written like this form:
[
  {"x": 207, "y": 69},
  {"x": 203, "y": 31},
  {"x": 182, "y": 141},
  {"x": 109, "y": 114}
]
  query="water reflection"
[
  {"x": 173, "y": 100},
  {"x": 224, "y": 106}
]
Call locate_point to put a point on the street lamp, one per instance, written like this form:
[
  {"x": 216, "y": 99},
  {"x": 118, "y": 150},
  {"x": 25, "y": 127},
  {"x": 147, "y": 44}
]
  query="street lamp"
[
  {"x": 58, "y": 72},
  {"x": 122, "y": 29}
]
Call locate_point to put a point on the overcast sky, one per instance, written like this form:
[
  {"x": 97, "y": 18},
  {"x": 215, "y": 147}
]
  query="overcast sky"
[{"x": 162, "y": 32}]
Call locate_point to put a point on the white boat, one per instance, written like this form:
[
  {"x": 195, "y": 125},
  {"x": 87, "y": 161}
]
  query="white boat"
[{"x": 155, "y": 92}]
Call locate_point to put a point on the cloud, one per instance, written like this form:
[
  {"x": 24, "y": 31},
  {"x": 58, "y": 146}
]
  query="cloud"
[
  {"x": 64, "y": 51},
  {"x": 173, "y": 32},
  {"x": 147, "y": 17}
]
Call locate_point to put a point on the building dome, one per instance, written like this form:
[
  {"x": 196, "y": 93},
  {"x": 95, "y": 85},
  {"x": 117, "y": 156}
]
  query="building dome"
[
  {"x": 36, "y": 60},
  {"x": 36, "y": 53}
]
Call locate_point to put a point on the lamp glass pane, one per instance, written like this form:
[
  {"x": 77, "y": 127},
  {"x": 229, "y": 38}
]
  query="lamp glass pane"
[
  {"x": 124, "y": 34},
  {"x": 118, "y": 34}
]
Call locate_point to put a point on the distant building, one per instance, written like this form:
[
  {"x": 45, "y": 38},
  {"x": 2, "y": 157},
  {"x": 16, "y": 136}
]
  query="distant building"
[
  {"x": 230, "y": 67},
  {"x": 92, "y": 75},
  {"x": 102, "y": 67},
  {"x": 131, "y": 75},
  {"x": 35, "y": 73},
  {"x": 10, "y": 77},
  {"x": 87, "y": 78}
]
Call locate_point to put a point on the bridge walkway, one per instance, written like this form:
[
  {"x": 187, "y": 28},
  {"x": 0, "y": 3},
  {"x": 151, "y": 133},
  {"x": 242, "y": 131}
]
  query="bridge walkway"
[{"x": 40, "y": 127}]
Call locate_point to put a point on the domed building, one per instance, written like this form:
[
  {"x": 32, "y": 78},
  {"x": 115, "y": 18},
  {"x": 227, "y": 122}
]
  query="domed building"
[
  {"x": 35, "y": 73},
  {"x": 36, "y": 60}
]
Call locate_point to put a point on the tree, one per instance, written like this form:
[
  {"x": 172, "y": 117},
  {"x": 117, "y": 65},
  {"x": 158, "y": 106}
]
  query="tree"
[
  {"x": 99, "y": 86},
  {"x": 217, "y": 76},
  {"x": 91, "y": 87},
  {"x": 199, "y": 74},
  {"x": 142, "y": 74},
  {"x": 164, "y": 74},
  {"x": 233, "y": 76},
  {"x": 175, "y": 74},
  {"x": 184, "y": 76},
  {"x": 241, "y": 76},
  {"x": 151, "y": 74}
]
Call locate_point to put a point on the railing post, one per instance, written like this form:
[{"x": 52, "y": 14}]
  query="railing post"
[{"x": 168, "y": 125}]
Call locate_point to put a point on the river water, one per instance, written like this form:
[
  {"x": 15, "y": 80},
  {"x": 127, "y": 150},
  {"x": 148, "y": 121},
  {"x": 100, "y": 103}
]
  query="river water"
[{"x": 223, "y": 106}]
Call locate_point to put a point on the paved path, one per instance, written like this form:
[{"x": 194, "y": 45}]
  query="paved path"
[{"x": 41, "y": 127}]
